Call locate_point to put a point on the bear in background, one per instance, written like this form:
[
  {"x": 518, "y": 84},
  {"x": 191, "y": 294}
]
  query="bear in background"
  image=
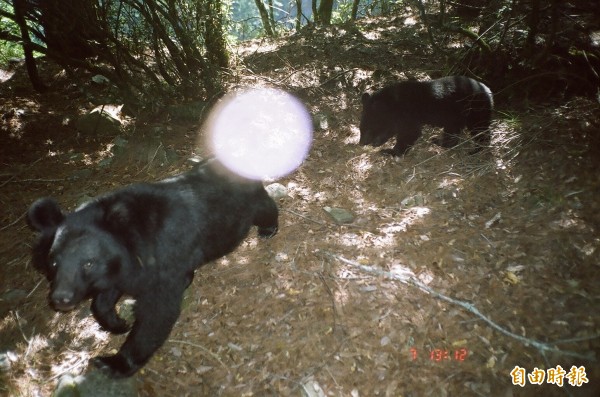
[
  {"x": 145, "y": 240},
  {"x": 401, "y": 110}
]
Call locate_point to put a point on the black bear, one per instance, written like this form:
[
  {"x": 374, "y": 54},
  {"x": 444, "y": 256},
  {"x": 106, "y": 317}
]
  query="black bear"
[
  {"x": 145, "y": 240},
  {"x": 401, "y": 109}
]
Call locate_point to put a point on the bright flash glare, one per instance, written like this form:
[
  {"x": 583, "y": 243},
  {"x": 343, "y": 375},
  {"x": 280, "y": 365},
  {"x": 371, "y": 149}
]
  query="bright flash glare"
[{"x": 260, "y": 133}]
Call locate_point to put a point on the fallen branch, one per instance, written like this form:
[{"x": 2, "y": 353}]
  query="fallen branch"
[
  {"x": 204, "y": 349},
  {"x": 408, "y": 277},
  {"x": 14, "y": 222},
  {"x": 36, "y": 180},
  {"x": 305, "y": 217}
]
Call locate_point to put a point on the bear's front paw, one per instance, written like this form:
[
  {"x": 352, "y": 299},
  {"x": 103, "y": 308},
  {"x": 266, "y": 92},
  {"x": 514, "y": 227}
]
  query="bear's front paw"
[
  {"x": 116, "y": 366},
  {"x": 110, "y": 321},
  {"x": 119, "y": 326}
]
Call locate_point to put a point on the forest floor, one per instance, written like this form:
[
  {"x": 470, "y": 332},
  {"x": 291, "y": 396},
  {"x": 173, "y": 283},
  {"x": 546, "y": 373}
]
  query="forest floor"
[{"x": 322, "y": 309}]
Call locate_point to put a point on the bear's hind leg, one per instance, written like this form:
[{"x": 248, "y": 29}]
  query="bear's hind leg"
[
  {"x": 450, "y": 136},
  {"x": 266, "y": 218},
  {"x": 481, "y": 137},
  {"x": 478, "y": 123},
  {"x": 480, "y": 131}
]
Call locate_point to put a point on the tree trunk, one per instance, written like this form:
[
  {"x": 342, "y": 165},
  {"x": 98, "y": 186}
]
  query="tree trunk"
[
  {"x": 264, "y": 16},
  {"x": 216, "y": 45},
  {"x": 272, "y": 14},
  {"x": 70, "y": 28},
  {"x": 354, "y": 10},
  {"x": 315, "y": 12},
  {"x": 298, "y": 15},
  {"x": 533, "y": 21},
  {"x": 325, "y": 11},
  {"x": 385, "y": 7},
  {"x": 19, "y": 8}
]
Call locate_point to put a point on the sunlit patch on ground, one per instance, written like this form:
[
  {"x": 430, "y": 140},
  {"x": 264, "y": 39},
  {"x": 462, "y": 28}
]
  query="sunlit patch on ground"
[
  {"x": 5, "y": 75},
  {"x": 408, "y": 218},
  {"x": 360, "y": 166}
]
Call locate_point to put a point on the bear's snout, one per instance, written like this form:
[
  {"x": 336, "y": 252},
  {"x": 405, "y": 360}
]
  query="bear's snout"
[{"x": 63, "y": 300}]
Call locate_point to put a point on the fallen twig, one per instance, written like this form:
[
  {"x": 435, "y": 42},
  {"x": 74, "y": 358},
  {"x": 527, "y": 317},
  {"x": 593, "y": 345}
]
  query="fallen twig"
[
  {"x": 15, "y": 175},
  {"x": 305, "y": 217},
  {"x": 36, "y": 180},
  {"x": 34, "y": 288},
  {"x": 15, "y": 314},
  {"x": 14, "y": 222},
  {"x": 408, "y": 277},
  {"x": 147, "y": 166},
  {"x": 204, "y": 349}
]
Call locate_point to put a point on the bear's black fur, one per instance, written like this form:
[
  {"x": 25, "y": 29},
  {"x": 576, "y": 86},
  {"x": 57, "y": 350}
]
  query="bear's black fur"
[
  {"x": 401, "y": 109},
  {"x": 145, "y": 241}
]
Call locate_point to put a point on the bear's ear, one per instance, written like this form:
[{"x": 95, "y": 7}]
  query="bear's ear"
[
  {"x": 365, "y": 97},
  {"x": 44, "y": 214}
]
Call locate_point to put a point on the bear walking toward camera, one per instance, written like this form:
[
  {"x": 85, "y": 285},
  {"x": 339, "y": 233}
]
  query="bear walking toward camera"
[
  {"x": 145, "y": 241},
  {"x": 401, "y": 110}
]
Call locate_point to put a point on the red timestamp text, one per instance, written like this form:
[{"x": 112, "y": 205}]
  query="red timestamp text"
[{"x": 439, "y": 355}]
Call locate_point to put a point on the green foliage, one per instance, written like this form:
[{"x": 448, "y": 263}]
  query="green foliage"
[
  {"x": 244, "y": 21},
  {"x": 152, "y": 49},
  {"x": 8, "y": 49},
  {"x": 342, "y": 13},
  {"x": 535, "y": 49},
  {"x": 148, "y": 49}
]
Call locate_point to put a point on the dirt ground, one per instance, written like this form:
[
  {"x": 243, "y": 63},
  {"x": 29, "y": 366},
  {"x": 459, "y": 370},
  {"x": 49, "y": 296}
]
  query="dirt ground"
[{"x": 322, "y": 309}]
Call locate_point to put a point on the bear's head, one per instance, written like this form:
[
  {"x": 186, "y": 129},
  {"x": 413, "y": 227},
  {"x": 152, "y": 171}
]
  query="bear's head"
[
  {"x": 76, "y": 254},
  {"x": 377, "y": 122}
]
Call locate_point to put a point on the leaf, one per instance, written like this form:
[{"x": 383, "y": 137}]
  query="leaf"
[{"x": 511, "y": 278}]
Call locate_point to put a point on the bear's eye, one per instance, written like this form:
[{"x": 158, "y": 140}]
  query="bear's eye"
[
  {"x": 87, "y": 266},
  {"x": 54, "y": 265}
]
